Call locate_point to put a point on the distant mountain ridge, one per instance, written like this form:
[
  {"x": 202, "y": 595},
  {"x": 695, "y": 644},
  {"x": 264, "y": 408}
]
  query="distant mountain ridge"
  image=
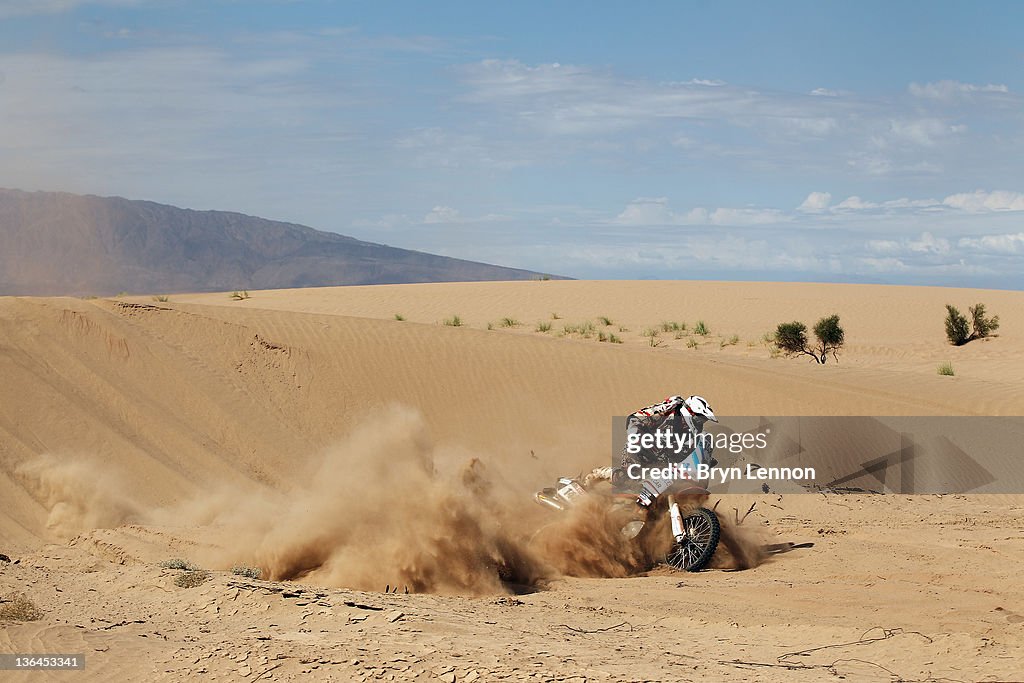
[{"x": 59, "y": 243}]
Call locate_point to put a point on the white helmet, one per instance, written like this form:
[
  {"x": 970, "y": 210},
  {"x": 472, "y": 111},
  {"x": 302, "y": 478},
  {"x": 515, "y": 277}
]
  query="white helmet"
[{"x": 699, "y": 406}]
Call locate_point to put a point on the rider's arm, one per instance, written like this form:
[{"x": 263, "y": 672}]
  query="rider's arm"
[{"x": 654, "y": 415}]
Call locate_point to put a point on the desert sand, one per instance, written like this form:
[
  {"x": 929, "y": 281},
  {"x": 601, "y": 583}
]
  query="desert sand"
[{"x": 312, "y": 434}]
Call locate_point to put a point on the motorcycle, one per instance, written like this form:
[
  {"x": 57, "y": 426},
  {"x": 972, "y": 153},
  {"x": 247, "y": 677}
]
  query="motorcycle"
[{"x": 695, "y": 530}]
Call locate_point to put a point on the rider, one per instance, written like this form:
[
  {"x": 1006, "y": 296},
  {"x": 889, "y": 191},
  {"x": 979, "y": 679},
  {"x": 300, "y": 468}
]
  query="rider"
[{"x": 676, "y": 414}]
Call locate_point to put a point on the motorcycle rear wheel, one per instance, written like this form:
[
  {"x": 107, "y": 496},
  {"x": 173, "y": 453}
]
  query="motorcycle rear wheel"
[{"x": 694, "y": 552}]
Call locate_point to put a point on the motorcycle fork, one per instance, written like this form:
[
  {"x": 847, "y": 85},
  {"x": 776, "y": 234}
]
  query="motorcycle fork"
[{"x": 677, "y": 520}]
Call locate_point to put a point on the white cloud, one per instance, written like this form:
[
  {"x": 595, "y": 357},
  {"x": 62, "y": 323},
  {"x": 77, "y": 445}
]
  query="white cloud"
[
  {"x": 825, "y": 92},
  {"x": 739, "y": 217},
  {"x": 997, "y": 244},
  {"x": 928, "y": 243},
  {"x": 815, "y": 127},
  {"x": 925, "y": 131},
  {"x": 815, "y": 202},
  {"x": 652, "y": 211},
  {"x": 647, "y": 211},
  {"x": 443, "y": 214},
  {"x": 450, "y": 216},
  {"x": 949, "y": 90},
  {"x": 884, "y": 246},
  {"x": 575, "y": 100},
  {"x": 855, "y": 203},
  {"x": 980, "y": 200},
  {"x": 905, "y": 203}
]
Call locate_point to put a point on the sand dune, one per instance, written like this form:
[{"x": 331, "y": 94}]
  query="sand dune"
[{"x": 277, "y": 430}]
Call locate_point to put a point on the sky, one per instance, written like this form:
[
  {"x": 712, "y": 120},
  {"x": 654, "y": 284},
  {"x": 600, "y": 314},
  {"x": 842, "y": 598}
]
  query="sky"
[{"x": 804, "y": 141}]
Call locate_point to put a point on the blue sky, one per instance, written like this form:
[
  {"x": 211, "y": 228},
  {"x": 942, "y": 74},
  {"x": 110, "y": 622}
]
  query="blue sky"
[{"x": 862, "y": 141}]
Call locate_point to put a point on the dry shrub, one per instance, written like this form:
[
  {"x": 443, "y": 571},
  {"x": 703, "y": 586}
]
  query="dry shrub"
[{"x": 20, "y": 609}]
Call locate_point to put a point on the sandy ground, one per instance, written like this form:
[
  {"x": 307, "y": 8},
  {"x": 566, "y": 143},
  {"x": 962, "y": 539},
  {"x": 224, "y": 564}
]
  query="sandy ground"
[{"x": 310, "y": 433}]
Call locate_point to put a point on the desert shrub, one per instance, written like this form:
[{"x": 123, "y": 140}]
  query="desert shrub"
[
  {"x": 555, "y": 316},
  {"x": 161, "y": 298},
  {"x": 605, "y": 320},
  {"x": 791, "y": 339},
  {"x": 399, "y": 317},
  {"x": 830, "y": 335},
  {"x": 983, "y": 326},
  {"x": 957, "y": 330},
  {"x": 20, "y": 608},
  {"x": 191, "y": 578},
  {"x": 650, "y": 332},
  {"x": 510, "y": 322},
  {"x": 691, "y": 343},
  {"x": 543, "y": 327},
  {"x": 247, "y": 572},
  {"x": 701, "y": 328},
  {"x": 585, "y": 329},
  {"x": 946, "y": 369},
  {"x": 672, "y": 326},
  {"x": 240, "y": 295},
  {"x": 454, "y": 321},
  {"x": 178, "y": 563},
  {"x": 614, "y": 339}
]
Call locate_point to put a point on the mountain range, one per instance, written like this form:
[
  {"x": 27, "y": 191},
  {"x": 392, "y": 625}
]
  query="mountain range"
[{"x": 59, "y": 243}]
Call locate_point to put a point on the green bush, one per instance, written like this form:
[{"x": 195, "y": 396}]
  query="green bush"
[
  {"x": 791, "y": 339},
  {"x": 983, "y": 326},
  {"x": 830, "y": 335},
  {"x": 543, "y": 327},
  {"x": 701, "y": 329},
  {"x": 454, "y": 321},
  {"x": 957, "y": 331},
  {"x": 946, "y": 369},
  {"x": 585, "y": 329}
]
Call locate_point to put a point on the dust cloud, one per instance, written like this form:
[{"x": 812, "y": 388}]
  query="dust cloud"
[
  {"x": 78, "y": 493},
  {"x": 384, "y": 508}
]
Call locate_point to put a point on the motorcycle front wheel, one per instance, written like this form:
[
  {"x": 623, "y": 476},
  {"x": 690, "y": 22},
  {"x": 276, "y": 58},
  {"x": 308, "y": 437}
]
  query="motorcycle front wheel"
[{"x": 694, "y": 552}]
